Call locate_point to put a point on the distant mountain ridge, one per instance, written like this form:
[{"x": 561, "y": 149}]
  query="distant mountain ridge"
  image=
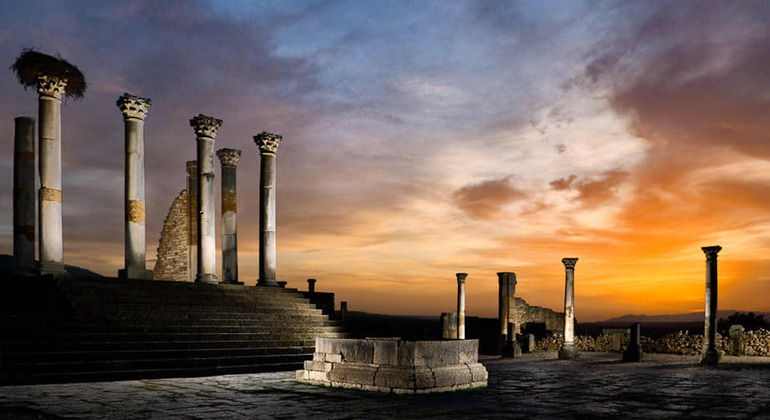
[{"x": 688, "y": 317}]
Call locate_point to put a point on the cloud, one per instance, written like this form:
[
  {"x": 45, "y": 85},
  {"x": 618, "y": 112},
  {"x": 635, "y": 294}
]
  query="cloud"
[
  {"x": 485, "y": 200},
  {"x": 593, "y": 191}
]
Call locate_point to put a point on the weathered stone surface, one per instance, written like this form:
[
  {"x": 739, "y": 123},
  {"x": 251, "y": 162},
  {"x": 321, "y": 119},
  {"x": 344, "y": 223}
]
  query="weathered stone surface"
[
  {"x": 400, "y": 367},
  {"x": 172, "y": 259}
]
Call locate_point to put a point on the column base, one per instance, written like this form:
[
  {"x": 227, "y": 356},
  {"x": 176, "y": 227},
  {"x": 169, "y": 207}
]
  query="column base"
[
  {"x": 268, "y": 283},
  {"x": 206, "y": 278},
  {"x": 568, "y": 352},
  {"x": 52, "y": 267},
  {"x": 24, "y": 271},
  {"x": 134, "y": 273},
  {"x": 710, "y": 357},
  {"x": 511, "y": 350},
  {"x": 632, "y": 354}
]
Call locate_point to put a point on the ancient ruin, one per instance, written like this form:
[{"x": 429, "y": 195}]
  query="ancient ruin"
[
  {"x": 24, "y": 196},
  {"x": 268, "y": 146},
  {"x": 134, "y": 110},
  {"x": 173, "y": 254},
  {"x": 206, "y": 131},
  {"x": 228, "y": 158},
  {"x": 568, "y": 350},
  {"x": 461, "y": 305},
  {"x": 394, "y": 365},
  {"x": 710, "y": 355}
]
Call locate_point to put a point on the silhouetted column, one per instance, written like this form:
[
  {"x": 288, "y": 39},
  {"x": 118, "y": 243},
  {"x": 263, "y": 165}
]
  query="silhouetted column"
[
  {"x": 192, "y": 219},
  {"x": 710, "y": 355},
  {"x": 24, "y": 196},
  {"x": 461, "y": 305},
  {"x": 134, "y": 111},
  {"x": 50, "y": 195},
  {"x": 506, "y": 288},
  {"x": 206, "y": 131},
  {"x": 228, "y": 159},
  {"x": 311, "y": 285},
  {"x": 268, "y": 145},
  {"x": 634, "y": 351},
  {"x": 343, "y": 311},
  {"x": 568, "y": 350}
]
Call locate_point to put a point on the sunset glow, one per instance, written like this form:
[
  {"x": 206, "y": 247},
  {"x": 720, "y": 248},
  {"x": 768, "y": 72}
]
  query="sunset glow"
[{"x": 422, "y": 139}]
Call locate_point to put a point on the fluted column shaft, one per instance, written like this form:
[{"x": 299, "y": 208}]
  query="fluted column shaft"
[
  {"x": 461, "y": 305},
  {"x": 710, "y": 354},
  {"x": 24, "y": 196},
  {"x": 268, "y": 145},
  {"x": 50, "y": 194},
  {"x": 134, "y": 111},
  {"x": 192, "y": 219},
  {"x": 206, "y": 130},
  {"x": 568, "y": 350},
  {"x": 229, "y": 159}
]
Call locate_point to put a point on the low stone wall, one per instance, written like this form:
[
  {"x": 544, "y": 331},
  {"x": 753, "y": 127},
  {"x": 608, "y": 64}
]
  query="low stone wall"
[
  {"x": 522, "y": 313},
  {"x": 171, "y": 262},
  {"x": 756, "y": 343},
  {"x": 394, "y": 365}
]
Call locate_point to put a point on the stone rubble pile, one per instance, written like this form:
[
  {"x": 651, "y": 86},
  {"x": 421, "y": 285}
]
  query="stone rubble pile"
[{"x": 757, "y": 343}]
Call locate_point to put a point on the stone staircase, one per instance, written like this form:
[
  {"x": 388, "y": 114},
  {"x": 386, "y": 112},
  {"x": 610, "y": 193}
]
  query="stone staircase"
[{"x": 92, "y": 329}]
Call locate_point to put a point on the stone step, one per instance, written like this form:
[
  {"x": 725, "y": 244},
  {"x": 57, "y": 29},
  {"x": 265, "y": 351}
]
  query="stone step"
[
  {"x": 67, "y": 356},
  {"x": 187, "y": 336},
  {"x": 101, "y": 345},
  {"x": 155, "y": 295},
  {"x": 59, "y": 367},
  {"x": 190, "y": 307},
  {"x": 100, "y": 376}
]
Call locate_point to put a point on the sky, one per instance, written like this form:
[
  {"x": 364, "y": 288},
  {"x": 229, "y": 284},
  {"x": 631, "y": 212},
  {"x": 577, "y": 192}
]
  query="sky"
[{"x": 426, "y": 138}]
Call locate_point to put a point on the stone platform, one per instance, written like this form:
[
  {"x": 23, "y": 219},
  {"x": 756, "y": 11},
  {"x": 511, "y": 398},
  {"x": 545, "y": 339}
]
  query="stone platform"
[{"x": 394, "y": 365}]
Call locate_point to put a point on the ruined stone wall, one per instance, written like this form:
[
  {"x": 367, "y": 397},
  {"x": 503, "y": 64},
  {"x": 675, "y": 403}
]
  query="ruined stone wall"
[
  {"x": 521, "y": 313},
  {"x": 172, "y": 249}
]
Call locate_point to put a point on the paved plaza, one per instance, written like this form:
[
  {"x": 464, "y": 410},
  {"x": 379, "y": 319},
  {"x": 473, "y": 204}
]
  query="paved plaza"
[{"x": 534, "y": 386}]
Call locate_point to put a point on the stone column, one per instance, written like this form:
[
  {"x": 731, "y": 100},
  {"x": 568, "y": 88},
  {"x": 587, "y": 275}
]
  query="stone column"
[
  {"x": 343, "y": 311},
  {"x": 192, "y": 219},
  {"x": 461, "y": 305},
  {"x": 206, "y": 131},
  {"x": 634, "y": 351},
  {"x": 134, "y": 111},
  {"x": 228, "y": 159},
  {"x": 710, "y": 354},
  {"x": 50, "y": 195},
  {"x": 24, "y": 196},
  {"x": 268, "y": 145},
  {"x": 568, "y": 350},
  {"x": 311, "y": 285},
  {"x": 506, "y": 288}
]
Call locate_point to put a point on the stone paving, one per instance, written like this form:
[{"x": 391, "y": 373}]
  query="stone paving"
[{"x": 535, "y": 386}]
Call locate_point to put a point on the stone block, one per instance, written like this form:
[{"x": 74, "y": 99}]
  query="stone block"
[
  {"x": 452, "y": 375},
  {"x": 436, "y": 353},
  {"x": 395, "y": 377},
  {"x": 478, "y": 372},
  {"x": 334, "y": 358},
  {"x": 302, "y": 375},
  {"x": 406, "y": 353},
  {"x": 318, "y": 366},
  {"x": 353, "y": 373},
  {"x": 423, "y": 378},
  {"x": 315, "y": 375},
  {"x": 386, "y": 352}
]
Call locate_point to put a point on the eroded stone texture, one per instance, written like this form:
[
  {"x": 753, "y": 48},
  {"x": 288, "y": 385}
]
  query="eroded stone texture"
[
  {"x": 394, "y": 365},
  {"x": 172, "y": 257},
  {"x": 268, "y": 146},
  {"x": 710, "y": 355},
  {"x": 24, "y": 196}
]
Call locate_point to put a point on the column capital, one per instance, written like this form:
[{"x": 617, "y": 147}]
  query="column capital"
[
  {"x": 461, "y": 277},
  {"x": 51, "y": 86},
  {"x": 192, "y": 168},
  {"x": 569, "y": 263},
  {"x": 711, "y": 251},
  {"x": 228, "y": 157},
  {"x": 268, "y": 142},
  {"x": 205, "y": 126},
  {"x": 133, "y": 106}
]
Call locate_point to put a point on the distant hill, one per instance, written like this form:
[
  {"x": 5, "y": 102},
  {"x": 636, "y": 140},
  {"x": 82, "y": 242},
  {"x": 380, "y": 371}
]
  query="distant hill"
[
  {"x": 678, "y": 318},
  {"x": 6, "y": 266}
]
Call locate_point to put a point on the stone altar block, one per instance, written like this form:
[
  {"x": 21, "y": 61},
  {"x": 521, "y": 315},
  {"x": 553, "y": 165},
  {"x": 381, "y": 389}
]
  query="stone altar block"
[{"x": 395, "y": 365}]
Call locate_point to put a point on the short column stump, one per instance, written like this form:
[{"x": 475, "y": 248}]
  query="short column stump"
[{"x": 394, "y": 365}]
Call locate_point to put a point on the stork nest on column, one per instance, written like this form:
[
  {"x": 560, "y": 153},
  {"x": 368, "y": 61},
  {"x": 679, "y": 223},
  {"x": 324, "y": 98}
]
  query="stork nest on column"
[{"x": 32, "y": 64}]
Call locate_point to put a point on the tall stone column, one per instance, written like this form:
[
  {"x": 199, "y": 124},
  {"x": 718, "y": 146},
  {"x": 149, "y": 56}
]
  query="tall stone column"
[
  {"x": 206, "y": 131},
  {"x": 268, "y": 145},
  {"x": 710, "y": 354},
  {"x": 134, "y": 111},
  {"x": 50, "y": 194},
  {"x": 228, "y": 158},
  {"x": 568, "y": 350},
  {"x": 461, "y": 305},
  {"x": 192, "y": 219},
  {"x": 311, "y": 285},
  {"x": 506, "y": 288},
  {"x": 24, "y": 196}
]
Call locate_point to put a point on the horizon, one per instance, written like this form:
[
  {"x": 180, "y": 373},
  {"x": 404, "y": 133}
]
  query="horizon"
[{"x": 425, "y": 139}]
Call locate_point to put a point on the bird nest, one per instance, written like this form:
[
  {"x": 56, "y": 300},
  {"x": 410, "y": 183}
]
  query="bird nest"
[{"x": 32, "y": 64}]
